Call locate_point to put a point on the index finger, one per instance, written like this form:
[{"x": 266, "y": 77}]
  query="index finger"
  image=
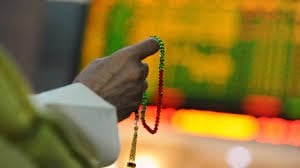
[{"x": 140, "y": 50}]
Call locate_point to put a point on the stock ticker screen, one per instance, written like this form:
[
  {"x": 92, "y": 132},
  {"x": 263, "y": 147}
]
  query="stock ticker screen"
[{"x": 233, "y": 56}]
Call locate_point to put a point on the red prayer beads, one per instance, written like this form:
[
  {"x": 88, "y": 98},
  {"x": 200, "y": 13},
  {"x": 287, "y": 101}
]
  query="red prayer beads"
[
  {"x": 131, "y": 161},
  {"x": 160, "y": 90},
  {"x": 159, "y": 106}
]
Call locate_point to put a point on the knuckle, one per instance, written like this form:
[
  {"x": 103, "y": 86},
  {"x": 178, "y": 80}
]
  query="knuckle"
[
  {"x": 137, "y": 74},
  {"x": 141, "y": 86},
  {"x": 135, "y": 104},
  {"x": 143, "y": 71},
  {"x": 146, "y": 69},
  {"x": 134, "y": 76},
  {"x": 132, "y": 104},
  {"x": 145, "y": 85}
]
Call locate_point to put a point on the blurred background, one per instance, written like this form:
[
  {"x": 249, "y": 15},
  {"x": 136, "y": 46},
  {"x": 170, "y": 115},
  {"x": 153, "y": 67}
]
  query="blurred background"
[{"x": 232, "y": 75}]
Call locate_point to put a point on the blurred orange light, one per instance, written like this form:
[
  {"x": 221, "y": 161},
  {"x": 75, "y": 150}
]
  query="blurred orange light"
[
  {"x": 216, "y": 124},
  {"x": 294, "y": 134},
  {"x": 273, "y": 130}
]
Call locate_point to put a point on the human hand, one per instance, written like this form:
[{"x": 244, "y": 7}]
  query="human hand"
[{"x": 120, "y": 78}]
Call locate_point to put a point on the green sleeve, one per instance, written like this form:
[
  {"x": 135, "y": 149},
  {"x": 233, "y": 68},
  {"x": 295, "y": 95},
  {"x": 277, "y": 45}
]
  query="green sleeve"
[
  {"x": 44, "y": 148},
  {"x": 12, "y": 157},
  {"x": 48, "y": 150},
  {"x": 16, "y": 111}
]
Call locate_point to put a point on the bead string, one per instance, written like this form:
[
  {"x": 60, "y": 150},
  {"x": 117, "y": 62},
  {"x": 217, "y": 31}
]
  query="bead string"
[
  {"x": 160, "y": 90},
  {"x": 131, "y": 163}
]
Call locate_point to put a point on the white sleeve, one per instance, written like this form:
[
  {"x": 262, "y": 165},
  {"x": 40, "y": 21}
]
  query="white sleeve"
[{"x": 88, "y": 121}]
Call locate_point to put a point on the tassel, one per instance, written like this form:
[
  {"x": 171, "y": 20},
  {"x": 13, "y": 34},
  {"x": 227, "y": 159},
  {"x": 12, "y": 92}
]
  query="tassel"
[{"x": 131, "y": 162}]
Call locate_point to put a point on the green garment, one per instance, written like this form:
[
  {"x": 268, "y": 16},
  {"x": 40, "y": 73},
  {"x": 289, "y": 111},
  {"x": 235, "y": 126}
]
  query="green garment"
[{"x": 26, "y": 139}]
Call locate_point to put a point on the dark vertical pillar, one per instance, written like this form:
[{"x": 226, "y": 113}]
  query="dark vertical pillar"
[
  {"x": 20, "y": 32},
  {"x": 62, "y": 36}
]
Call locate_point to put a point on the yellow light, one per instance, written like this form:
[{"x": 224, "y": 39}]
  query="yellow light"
[
  {"x": 216, "y": 124},
  {"x": 94, "y": 35}
]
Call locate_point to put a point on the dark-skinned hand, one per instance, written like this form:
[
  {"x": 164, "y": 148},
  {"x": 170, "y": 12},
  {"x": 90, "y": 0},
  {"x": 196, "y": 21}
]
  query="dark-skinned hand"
[{"x": 121, "y": 77}]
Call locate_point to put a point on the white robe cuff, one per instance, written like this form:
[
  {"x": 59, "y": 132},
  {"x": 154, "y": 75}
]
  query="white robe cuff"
[{"x": 89, "y": 122}]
